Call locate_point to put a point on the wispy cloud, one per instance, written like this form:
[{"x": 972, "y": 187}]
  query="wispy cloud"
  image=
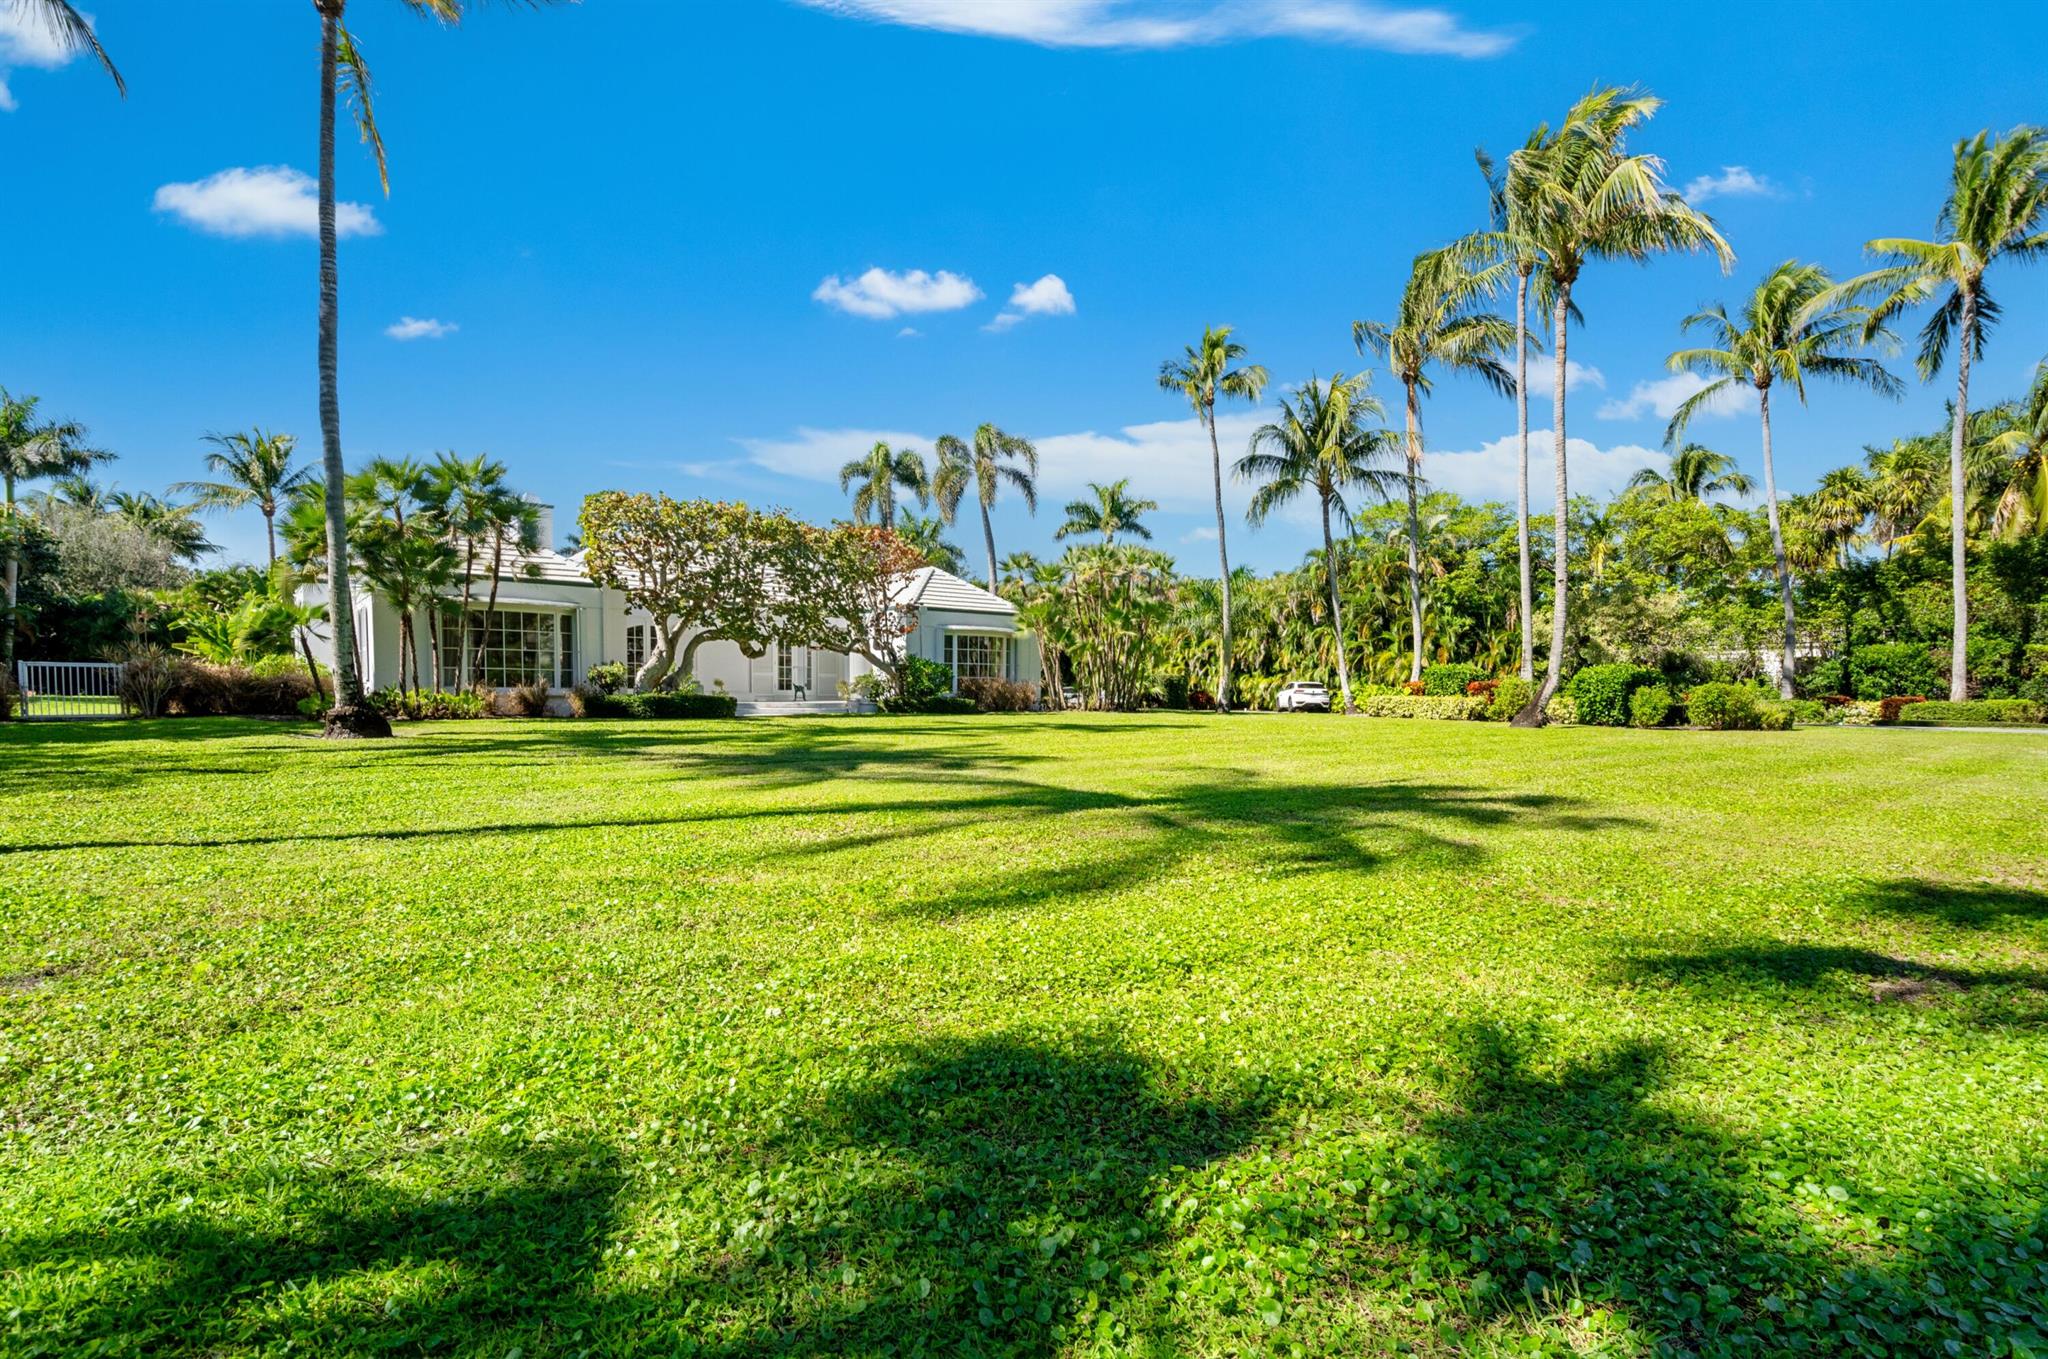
[
  {"x": 1663, "y": 396},
  {"x": 1165, "y": 23},
  {"x": 909, "y": 333},
  {"x": 270, "y": 200},
  {"x": 26, "y": 40},
  {"x": 1490, "y": 471},
  {"x": 1734, "y": 181},
  {"x": 1047, "y": 297},
  {"x": 879, "y": 294},
  {"x": 420, "y": 328}
]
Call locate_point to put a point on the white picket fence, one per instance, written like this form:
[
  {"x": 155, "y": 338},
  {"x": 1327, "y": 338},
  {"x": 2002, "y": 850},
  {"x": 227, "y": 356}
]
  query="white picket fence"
[{"x": 69, "y": 690}]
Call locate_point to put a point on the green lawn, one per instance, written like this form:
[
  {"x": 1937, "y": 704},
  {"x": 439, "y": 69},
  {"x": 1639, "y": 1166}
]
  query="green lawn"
[{"x": 1154, "y": 1034}]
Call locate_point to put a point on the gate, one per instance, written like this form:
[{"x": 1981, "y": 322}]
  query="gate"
[{"x": 69, "y": 689}]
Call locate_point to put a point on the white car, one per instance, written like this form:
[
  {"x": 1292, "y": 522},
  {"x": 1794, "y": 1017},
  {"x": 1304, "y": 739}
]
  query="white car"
[{"x": 1301, "y": 696}]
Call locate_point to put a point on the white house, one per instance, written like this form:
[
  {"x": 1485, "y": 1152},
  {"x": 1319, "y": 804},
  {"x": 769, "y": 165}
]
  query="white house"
[{"x": 552, "y": 623}]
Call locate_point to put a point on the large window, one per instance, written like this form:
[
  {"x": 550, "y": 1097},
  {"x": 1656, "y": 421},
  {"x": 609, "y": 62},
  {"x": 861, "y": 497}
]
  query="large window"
[
  {"x": 792, "y": 667},
  {"x": 521, "y": 646},
  {"x": 976, "y": 655},
  {"x": 636, "y": 647}
]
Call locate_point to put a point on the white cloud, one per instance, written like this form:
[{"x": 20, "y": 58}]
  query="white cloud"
[
  {"x": 909, "y": 333},
  {"x": 7, "y": 100},
  {"x": 1489, "y": 471},
  {"x": 879, "y": 294},
  {"x": 270, "y": 200},
  {"x": 1576, "y": 375},
  {"x": 420, "y": 328},
  {"x": 1164, "y": 23},
  {"x": 1047, "y": 297},
  {"x": 1734, "y": 181},
  {"x": 818, "y": 454},
  {"x": 1663, "y": 396},
  {"x": 28, "y": 41}
]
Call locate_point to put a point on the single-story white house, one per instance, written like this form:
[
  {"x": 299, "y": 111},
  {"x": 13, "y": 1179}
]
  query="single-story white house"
[{"x": 552, "y": 623}]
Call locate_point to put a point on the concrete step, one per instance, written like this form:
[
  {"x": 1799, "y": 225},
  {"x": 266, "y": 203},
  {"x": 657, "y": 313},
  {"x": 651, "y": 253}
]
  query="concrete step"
[{"x": 786, "y": 707}]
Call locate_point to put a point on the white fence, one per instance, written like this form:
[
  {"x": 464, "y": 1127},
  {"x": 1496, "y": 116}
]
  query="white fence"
[{"x": 69, "y": 689}]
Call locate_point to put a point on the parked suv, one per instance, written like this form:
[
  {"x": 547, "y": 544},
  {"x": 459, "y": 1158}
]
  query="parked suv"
[{"x": 1301, "y": 696}]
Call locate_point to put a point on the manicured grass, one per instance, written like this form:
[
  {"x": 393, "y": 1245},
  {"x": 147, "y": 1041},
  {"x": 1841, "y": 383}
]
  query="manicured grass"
[{"x": 1032, "y": 1035}]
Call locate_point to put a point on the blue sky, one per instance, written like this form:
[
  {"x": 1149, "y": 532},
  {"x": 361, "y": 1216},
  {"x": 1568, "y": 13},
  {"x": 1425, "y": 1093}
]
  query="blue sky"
[{"x": 635, "y": 238}]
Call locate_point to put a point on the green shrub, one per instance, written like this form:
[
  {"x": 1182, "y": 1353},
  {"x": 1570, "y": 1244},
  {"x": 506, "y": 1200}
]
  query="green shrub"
[
  {"x": 1602, "y": 692},
  {"x": 924, "y": 686},
  {"x": 1510, "y": 696},
  {"x": 1983, "y": 712},
  {"x": 430, "y": 705},
  {"x": 1650, "y": 706},
  {"x": 1173, "y": 690},
  {"x": 608, "y": 678},
  {"x": 587, "y": 700},
  {"x": 1886, "y": 668},
  {"x": 1812, "y": 710},
  {"x": 1774, "y": 716},
  {"x": 1561, "y": 711},
  {"x": 1439, "y": 681},
  {"x": 1441, "y": 707},
  {"x": 1724, "y": 707}
]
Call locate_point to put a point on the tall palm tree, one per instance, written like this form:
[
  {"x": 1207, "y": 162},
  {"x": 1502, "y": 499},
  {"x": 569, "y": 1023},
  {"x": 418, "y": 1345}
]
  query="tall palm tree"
[
  {"x": 1997, "y": 207},
  {"x": 73, "y": 32},
  {"x": 76, "y": 488},
  {"x": 1437, "y": 325},
  {"x": 875, "y": 477},
  {"x": 1838, "y": 508},
  {"x": 1591, "y": 199},
  {"x": 1696, "y": 472},
  {"x": 172, "y": 525},
  {"x": 256, "y": 469},
  {"x": 1204, "y": 374},
  {"x": 1510, "y": 222},
  {"x": 1322, "y": 444},
  {"x": 2023, "y": 504},
  {"x": 1114, "y": 510},
  {"x": 1905, "y": 480},
  {"x": 31, "y": 449},
  {"x": 341, "y": 60},
  {"x": 992, "y": 461},
  {"x": 468, "y": 496},
  {"x": 1794, "y": 326}
]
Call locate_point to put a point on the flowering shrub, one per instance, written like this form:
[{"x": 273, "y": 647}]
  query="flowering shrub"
[
  {"x": 1482, "y": 688},
  {"x": 1414, "y": 688},
  {"x": 1442, "y": 707}
]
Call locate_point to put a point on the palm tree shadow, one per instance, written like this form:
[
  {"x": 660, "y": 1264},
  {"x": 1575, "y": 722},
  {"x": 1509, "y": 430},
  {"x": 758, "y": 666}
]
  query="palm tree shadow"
[
  {"x": 1967, "y": 905},
  {"x": 510, "y": 1253},
  {"x": 1002, "y": 1198}
]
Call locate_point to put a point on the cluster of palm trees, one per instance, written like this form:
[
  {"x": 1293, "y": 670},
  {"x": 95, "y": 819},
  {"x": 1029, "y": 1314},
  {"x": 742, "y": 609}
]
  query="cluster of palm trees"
[{"x": 1579, "y": 195}]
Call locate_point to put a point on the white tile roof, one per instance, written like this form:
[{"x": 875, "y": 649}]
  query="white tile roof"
[{"x": 931, "y": 588}]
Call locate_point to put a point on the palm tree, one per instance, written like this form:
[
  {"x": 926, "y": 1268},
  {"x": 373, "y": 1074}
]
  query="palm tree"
[
  {"x": 1997, "y": 206},
  {"x": 1203, "y": 375},
  {"x": 30, "y": 450},
  {"x": 341, "y": 59},
  {"x": 2023, "y": 504},
  {"x": 257, "y": 470},
  {"x": 72, "y": 31},
  {"x": 172, "y": 525},
  {"x": 1590, "y": 199},
  {"x": 1696, "y": 473},
  {"x": 1905, "y": 480},
  {"x": 994, "y": 460},
  {"x": 1837, "y": 508},
  {"x": 1510, "y": 221},
  {"x": 467, "y": 495},
  {"x": 76, "y": 488},
  {"x": 1114, "y": 510},
  {"x": 927, "y": 534},
  {"x": 1794, "y": 326},
  {"x": 1321, "y": 444},
  {"x": 875, "y": 477},
  {"x": 1436, "y": 325}
]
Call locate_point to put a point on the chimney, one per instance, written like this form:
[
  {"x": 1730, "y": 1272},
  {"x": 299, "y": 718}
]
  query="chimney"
[{"x": 546, "y": 514}]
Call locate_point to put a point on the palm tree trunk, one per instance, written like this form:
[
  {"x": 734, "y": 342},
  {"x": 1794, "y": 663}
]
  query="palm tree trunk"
[
  {"x": 1223, "y": 560},
  {"x": 270, "y": 533},
  {"x": 1763, "y": 403},
  {"x": 1414, "y": 538},
  {"x": 490, "y": 603},
  {"x": 1528, "y": 667},
  {"x": 468, "y": 589},
  {"x": 1553, "y": 667},
  {"x": 988, "y": 539},
  {"x": 340, "y": 599},
  {"x": 1959, "y": 582},
  {"x": 1336, "y": 609},
  {"x": 7, "y": 624}
]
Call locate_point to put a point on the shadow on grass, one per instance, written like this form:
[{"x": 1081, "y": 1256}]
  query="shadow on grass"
[
  {"x": 1547, "y": 1185},
  {"x": 1969, "y": 905},
  {"x": 991, "y": 1197}
]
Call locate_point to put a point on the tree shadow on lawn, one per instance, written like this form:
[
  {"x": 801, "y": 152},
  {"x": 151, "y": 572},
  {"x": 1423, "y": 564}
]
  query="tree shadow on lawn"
[
  {"x": 1547, "y": 1185},
  {"x": 1974, "y": 905},
  {"x": 998, "y": 1196},
  {"x": 1744, "y": 974}
]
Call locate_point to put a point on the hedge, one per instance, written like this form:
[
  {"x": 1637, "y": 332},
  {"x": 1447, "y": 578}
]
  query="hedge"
[
  {"x": 1443, "y": 681},
  {"x": 1443, "y": 707},
  {"x": 1726, "y": 707},
  {"x": 1983, "y": 712},
  {"x": 662, "y": 703},
  {"x": 1602, "y": 692}
]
